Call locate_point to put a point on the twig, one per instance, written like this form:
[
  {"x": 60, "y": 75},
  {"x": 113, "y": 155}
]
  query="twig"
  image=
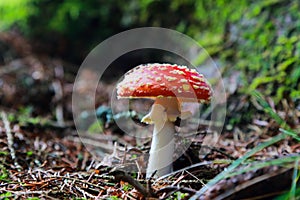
[
  {"x": 219, "y": 151},
  {"x": 139, "y": 169},
  {"x": 10, "y": 139},
  {"x": 20, "y": 193},
  {"x": 179, "y": 179},
  {"x": 196, "y": 178},
  {"x": 84, "y": 193},
  {"x": 78, "y": 180},
  {"x": 94, "y": 143},
  {"x": 172, "y": 189},
  {"x": 184, "y": 170},
  {"x": 124, "y": 156},
  {"x": 59, "y": 94},
  {"x": 58, "y": 97},
  {"x": 149, "y": 182},
  {"x": 121, "y": 175}
]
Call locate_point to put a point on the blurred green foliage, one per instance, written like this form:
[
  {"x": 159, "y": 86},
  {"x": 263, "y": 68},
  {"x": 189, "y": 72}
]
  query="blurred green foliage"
[
  {"x": 16, "y": 13},
  {"x": 259, "y": 38},
  {"x": 267, "y": 48},
  {"x": 24, "y": 117}
]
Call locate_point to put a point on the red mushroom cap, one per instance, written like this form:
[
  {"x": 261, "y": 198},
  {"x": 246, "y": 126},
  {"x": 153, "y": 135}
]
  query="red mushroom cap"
[{"x": 164, "y": 80}]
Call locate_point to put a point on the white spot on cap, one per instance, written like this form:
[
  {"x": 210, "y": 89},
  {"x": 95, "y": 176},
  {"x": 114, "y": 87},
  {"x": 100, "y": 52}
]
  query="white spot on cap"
[
  {"x": 204, "y": 88},
  {"x": 183, "y": 81},
  {"x": 186, "y": 87},
  {"x": 162, "y": 68},
  {"x": 198, "y": 78},
  {"x": 150, "y": 77},
  {"x": 158, "y": 79},
  {"x": 176, "y": 71},
  {"x": 170, "y": 78},
  {"x": 196, "y": 87},
  {"x": 182, "y": 67}
]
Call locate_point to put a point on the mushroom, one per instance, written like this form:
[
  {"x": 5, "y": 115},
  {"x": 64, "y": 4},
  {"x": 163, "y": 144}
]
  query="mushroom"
[{"x": 169, "y": 85}]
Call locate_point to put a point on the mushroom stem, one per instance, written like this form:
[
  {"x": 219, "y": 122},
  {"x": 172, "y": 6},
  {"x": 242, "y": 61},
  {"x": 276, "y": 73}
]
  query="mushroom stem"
[
  {"x": 163, "y": 113},
  {"x": 162, "y": 149}
]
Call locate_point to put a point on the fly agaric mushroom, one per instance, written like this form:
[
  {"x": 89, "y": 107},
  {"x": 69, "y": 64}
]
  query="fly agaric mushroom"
[{"x": 169, "y": 85}]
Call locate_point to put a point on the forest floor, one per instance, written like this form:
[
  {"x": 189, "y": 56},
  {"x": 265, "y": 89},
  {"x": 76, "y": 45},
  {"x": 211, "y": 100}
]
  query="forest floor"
[{"x": 43, "y": 157}]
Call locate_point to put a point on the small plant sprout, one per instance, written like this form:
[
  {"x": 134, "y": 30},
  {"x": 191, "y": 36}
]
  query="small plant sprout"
[{"x": 168, "y": 85}]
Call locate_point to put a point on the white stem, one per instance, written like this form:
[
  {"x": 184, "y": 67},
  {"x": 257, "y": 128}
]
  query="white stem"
[
  {"x": 162, "y": 149},
  {"x": 163, "y": 113}
]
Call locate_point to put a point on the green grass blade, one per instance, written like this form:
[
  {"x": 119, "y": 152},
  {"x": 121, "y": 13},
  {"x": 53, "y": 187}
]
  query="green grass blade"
[
  {"x": 283, "y": 161},
  {"x": 267, "y": 108},
  {"x": 237, "y": 162},
  {"x": 290, "y": 133},
  {"x": 296, "y": 174}
]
